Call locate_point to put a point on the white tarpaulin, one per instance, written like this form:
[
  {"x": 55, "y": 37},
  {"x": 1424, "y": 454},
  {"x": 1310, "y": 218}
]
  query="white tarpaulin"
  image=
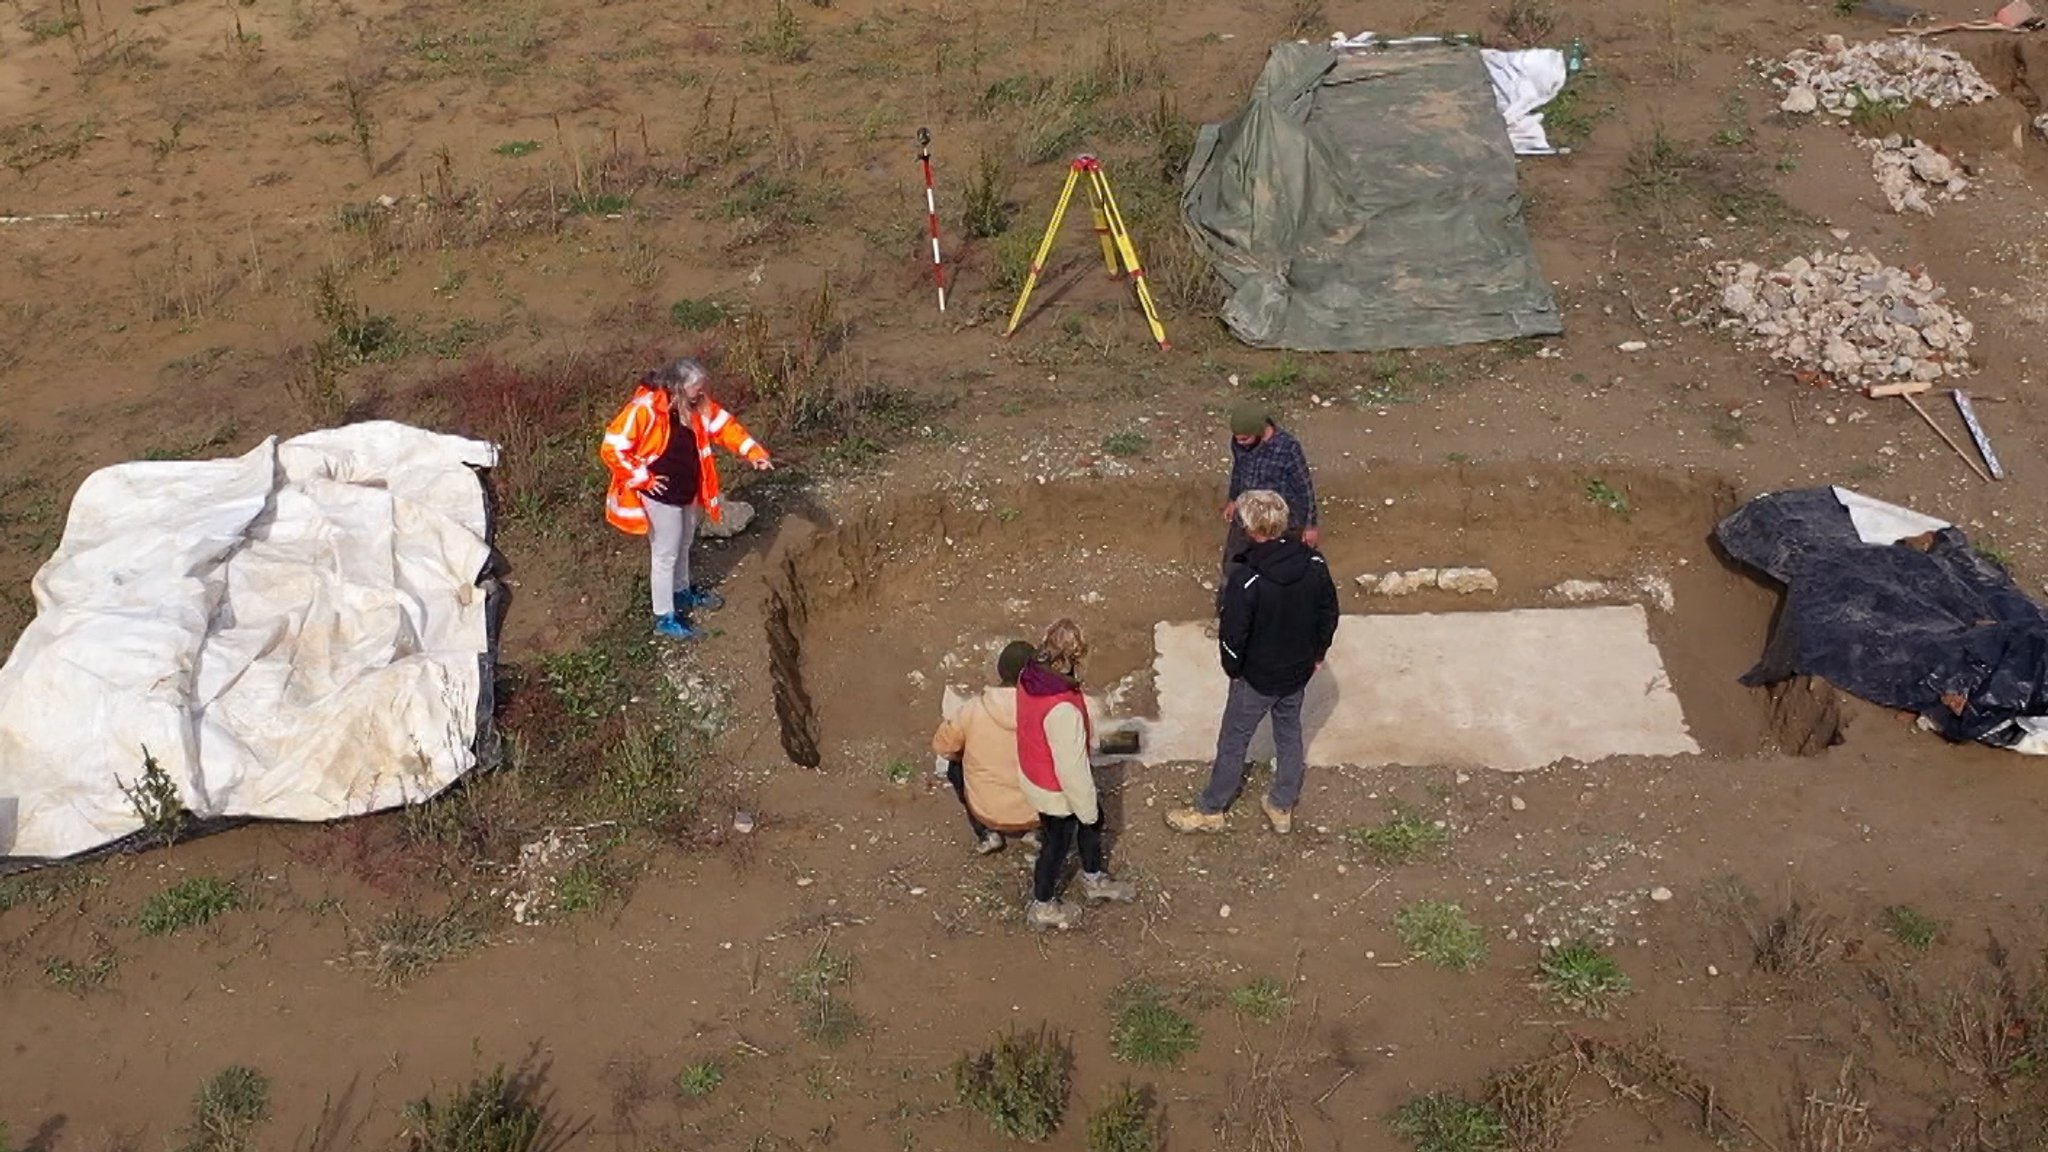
[{"x": 295, "y": 634}]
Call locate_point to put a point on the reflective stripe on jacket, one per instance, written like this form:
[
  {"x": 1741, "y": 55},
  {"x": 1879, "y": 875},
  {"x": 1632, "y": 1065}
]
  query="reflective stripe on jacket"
[{"x": 638, "y": 435}]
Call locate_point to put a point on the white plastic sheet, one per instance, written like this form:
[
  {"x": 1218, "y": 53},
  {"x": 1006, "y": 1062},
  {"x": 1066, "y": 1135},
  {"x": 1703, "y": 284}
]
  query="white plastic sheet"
[{"x": 295, "y": 634}]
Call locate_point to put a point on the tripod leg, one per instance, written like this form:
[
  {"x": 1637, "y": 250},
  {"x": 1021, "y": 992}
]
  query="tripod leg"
[
  {"x": 1129, "y": 248},
  {"x": 1097, "y": 190},
  {"x": 1052, "y": 230}
]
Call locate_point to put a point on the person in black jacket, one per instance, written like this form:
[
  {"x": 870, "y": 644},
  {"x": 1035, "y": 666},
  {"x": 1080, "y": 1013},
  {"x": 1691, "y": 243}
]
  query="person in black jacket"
[{"x": 1279, "y": 616}]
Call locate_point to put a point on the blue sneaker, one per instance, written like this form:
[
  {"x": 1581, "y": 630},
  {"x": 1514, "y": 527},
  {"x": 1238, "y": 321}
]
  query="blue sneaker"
[
  {"x": 673, "y": 628},
  {"x": 703, "y": 598}
]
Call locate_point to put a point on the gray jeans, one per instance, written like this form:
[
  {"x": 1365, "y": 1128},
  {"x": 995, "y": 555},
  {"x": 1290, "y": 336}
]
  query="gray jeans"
[
  {"x": 670, "y": 531},
  {"x": 1242, "y": 714}
]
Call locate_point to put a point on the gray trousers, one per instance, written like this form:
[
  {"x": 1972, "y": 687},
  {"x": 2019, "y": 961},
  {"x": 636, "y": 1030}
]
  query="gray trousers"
[
  {"x": 1242, "y": 714},
  {"x": 670, "y": 532}
]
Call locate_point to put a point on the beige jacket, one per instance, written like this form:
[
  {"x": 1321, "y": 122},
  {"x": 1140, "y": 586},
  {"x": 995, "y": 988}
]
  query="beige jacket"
[{"x": 983, "y": 737}]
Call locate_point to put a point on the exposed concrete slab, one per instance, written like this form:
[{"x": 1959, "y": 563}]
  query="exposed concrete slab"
[{"x": 1512, "y": 690}]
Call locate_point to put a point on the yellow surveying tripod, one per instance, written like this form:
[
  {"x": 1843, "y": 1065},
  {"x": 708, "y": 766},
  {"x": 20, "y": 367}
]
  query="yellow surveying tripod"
[{"x": 1115, "y": 237}]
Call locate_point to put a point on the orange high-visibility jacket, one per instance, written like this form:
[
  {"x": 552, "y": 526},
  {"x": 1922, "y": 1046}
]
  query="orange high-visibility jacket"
[{"x": 638, "y": 435}]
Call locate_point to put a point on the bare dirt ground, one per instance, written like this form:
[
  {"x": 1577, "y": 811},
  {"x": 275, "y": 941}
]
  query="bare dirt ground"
[{"x": 227, "y": 221}]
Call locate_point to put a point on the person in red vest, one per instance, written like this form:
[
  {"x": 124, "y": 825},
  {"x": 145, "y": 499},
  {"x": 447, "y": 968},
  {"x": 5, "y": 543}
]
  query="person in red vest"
[
  {"x": 1054, "y": 737},
  {"x": 665, "y": 481}
]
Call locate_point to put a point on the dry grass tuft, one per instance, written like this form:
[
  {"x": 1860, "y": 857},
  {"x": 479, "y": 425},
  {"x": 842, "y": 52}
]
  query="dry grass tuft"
[
  {"x": 1795, "y": 941},
  {"x": 1533, "y": 1100},
  {"x": 1988, "y": 1028},
  {"x": 1837, "y": 1121}
]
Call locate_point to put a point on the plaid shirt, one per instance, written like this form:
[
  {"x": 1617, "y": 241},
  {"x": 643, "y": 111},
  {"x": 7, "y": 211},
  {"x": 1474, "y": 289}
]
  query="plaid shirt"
[{"x": 1278, "y": 465}]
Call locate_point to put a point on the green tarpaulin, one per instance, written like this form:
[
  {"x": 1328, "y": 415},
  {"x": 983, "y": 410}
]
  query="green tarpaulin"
[{"x": 1366, "y": 200}]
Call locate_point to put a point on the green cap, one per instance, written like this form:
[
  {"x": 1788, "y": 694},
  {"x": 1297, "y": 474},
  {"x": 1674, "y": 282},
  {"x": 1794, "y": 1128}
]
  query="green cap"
[{"x": 1248, "y": 419}]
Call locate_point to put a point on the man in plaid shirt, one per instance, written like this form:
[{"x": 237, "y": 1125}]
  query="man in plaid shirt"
[{"x": 1263, "y": 456}]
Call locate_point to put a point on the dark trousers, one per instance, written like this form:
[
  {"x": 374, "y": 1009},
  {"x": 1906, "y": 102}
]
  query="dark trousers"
[
  {"x": 956, "y": 775},
  {"x": 1245, "y": 709},
  {"x": 1061, "y": 835}
]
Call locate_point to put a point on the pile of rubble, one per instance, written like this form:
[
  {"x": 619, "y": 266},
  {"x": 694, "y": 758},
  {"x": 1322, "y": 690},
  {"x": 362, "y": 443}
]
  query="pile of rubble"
[
  {"x": 1847, "y": 315},
  {"x": 1908, "y": 171},
  {"x": 1842, "y": 77}
]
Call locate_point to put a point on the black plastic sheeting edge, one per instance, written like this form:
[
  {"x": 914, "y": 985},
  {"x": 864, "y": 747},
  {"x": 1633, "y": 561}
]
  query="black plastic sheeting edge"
[{"x": 1928, "y": 625}]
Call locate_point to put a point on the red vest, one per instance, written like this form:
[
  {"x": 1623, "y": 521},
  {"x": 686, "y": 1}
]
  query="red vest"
[{"x": 1034, "y": 752}]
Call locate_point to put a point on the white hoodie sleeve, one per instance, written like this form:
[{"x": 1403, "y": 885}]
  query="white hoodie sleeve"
[{"x": 1066, "y": 732}]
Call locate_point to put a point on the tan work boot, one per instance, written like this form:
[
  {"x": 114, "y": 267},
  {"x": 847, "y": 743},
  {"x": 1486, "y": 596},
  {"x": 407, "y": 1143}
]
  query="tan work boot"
[
  {"x": 1194, "y": 820},
  {"x": 1281, "y": 819},
  {"x": 1097, "y": 887},
  {"x": 1043, "y": 914}
]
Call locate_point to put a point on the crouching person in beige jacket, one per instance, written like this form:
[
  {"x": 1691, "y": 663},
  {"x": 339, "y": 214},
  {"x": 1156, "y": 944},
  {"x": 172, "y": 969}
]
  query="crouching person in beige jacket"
[
  {"x": 1054, "y": 737},
  {"x": 979, "y": 745}
]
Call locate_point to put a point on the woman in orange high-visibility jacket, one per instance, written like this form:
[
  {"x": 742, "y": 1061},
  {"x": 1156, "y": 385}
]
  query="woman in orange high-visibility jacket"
[{"x": 665, "y": 482}]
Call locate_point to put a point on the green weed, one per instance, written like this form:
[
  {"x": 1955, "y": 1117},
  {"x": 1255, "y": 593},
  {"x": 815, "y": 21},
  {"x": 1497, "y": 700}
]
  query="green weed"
[
  {"x": 1911, "y": 927},
  {"x": 1442, "y": 934},
  {"x": 155, "y": 801},
  {"x": 597, "y": 881},
  {"x": 227, "y": 1110},
  {"x": 987, "y": 210},
  {"x": 1010, "y": 261},
  {"x": 696, "y": 315},
  {"x": 54, "y": 29},
  {"x": 783, "y": 37},
  {"x": 817, "y": 990},
  {"x": 1874, "y": 117},
  {"x": 1606, "y": 496},
  {"x": 1264, "y": 999},
  {"x": 1582, "y": 978},
  {"x": 1399, "y": 839},
  {"x": 1656, "y": 175},
  {"x": 699, "y": 1080},
  {"x": 1020, "y": 1085},
  {"x": 1125, "y": 444},
  {"x": 900, "y": 772},
  {"x": 1569, "y": 117},
  {"x": 189, "y": 903},
  {"x": 97, "y": 970},
  {"x": 1447, "y": 1122},
  {"x": 407, "y": 942},
  {"x": 597, "y": 203},
  {"x": 1281, "y": 377},
  {"x": 490, "y": 1114},
  {"x": 353, "y": 334},
  {"x": 1147, "y": 1029},
  {"x": 517, "y": 148},
  {"x": 1126, "y": 1122}
]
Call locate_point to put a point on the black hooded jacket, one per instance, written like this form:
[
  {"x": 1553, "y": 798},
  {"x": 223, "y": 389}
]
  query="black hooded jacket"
[{"x": 1279, "y": 616}]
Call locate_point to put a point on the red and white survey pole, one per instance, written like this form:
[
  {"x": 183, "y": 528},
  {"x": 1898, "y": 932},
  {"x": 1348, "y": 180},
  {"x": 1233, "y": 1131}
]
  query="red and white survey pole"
[{"x": 931, "y": 212}]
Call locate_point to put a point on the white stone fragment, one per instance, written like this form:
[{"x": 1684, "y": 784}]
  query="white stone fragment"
[{"x": 1466, "y": 581}]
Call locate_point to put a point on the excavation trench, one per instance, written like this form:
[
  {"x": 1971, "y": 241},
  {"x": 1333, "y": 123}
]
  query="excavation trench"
[{"x": 871, "y": 619}]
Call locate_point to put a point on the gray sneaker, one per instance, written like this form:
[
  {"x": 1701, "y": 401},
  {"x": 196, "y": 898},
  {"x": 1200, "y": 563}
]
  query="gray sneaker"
[
  {"x": 990, "y": 844},
  {"x": 1051, "y": 914},
  {"x": 1097, "y": 887}
]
